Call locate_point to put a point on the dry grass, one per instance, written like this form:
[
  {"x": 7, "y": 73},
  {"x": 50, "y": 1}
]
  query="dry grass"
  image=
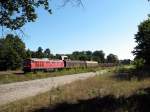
[
  {"x": 99, "y": 86},
  {"x": 17, "y": 76}
]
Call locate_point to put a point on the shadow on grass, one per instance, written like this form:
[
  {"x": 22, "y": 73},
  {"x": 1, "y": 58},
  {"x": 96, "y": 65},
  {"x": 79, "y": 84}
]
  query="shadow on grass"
[
  {"x": 139, "y": 102},
  {"x": 19, "y": 73}
]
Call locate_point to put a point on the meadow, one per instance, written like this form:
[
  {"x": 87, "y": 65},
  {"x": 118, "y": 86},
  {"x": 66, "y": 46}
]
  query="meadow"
[{"x": 103, "y": 93}]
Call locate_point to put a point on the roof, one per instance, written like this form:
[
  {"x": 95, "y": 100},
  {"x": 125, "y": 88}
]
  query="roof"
[
  {"x": 94, "y": 62},
  {"x": 42, "y": 59}
]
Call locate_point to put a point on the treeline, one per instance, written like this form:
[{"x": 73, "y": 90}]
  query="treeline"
[
  {"x": 98, "y": 56},
  {"x": 13, "y": 52}
]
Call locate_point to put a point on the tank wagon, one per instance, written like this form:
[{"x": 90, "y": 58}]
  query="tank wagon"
[{"x": 35, "y": 64}]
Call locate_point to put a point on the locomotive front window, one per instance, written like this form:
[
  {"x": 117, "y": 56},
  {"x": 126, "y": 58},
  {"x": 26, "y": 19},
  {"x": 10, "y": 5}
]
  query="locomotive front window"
[{"x": 26, "y": 63}]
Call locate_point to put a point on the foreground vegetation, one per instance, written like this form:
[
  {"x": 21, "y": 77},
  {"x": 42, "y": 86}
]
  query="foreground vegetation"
[
  {"x": 103, "y": 93},
  {"x": 10, "y": 76}
]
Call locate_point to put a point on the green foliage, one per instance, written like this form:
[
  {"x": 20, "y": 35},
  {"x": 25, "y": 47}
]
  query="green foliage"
[
  {"x": 28, "y": 54},
  {"x": 83, "y": 55},
  {"x": 142, "y": 50},
  {"x": 139, "y": 63},
  {"x": 125, "y": 61},
  {"x": 88, "y": 56},
  {"x": 98, "y": 56},
  {"x": 57, "y": 56},
  {"x": 39, "y": 53},
  {"x": 125, "y": 69},
  {"x": 12, "y": 51},
  {"x": 111, "y": 58},
  {"x": 47, "y": 53},
  {"x": 15, "y": 13}
]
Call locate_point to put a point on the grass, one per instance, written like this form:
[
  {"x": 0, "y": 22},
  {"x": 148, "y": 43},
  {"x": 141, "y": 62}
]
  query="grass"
[
  {"x": 103, "y": 93},
  {"x": 10, "y": 77}
]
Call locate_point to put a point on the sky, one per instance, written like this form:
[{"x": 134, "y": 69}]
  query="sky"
[{"x": 108, "y": 25}]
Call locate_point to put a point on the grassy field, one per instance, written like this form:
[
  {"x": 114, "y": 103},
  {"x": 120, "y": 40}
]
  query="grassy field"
[
  {"x": 103, "y": 93},
  {"x": 15, "y": 76}
]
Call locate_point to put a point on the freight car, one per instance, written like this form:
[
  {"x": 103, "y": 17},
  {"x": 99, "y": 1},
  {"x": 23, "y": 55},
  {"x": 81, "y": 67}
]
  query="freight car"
[
  {"x": 35, "y": 64},
  {"x": 91, "y": 63},
  {"x": 107, "y": 64},
  {"x": 74, "y": 64}
]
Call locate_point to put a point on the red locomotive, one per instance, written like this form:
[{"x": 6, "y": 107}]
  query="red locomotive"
[{"x": 35, "y": 64}]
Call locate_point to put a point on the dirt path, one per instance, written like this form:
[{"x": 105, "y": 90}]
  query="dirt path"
[{"x": 20, "y": 90}]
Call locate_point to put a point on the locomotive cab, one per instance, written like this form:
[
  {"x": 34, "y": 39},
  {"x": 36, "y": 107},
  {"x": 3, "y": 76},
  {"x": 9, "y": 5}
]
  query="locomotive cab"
[{"x": 27, "y": 65}]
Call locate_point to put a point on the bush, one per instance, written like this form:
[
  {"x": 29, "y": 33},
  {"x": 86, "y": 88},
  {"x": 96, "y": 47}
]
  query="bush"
[{"x": 139, "y": 63}]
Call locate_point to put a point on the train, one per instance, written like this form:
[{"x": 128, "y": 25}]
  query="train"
[{"x": 35, "y": 64}]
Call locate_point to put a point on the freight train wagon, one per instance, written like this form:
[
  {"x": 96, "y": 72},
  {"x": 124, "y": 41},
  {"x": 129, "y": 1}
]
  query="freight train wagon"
[
  {"x": 107, "y": 64},
  {"x": 91, "y": 63},
  {"x": 74, "y": 64}
]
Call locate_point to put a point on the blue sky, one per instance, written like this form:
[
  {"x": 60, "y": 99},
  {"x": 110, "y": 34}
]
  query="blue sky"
[{"x": 107, "y": 25}]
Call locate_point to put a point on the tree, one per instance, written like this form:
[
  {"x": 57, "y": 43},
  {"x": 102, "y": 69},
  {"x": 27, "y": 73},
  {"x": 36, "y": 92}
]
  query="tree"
[
  {"x": 33, "y": 54},
  {"x": 139, "y": 63},
  {"x": 57, "y": 56},
  {"x": 142, "y": 50},
  {"x": 81, "y": 55},
  {"x": 28, "y": 53},
  {"x": 17, "y": 44},
  {"x": 111, "y": 58},
  {"x": 125, "y": 62},
  {"x": 12, "y": 52},
  {"x": 75, "y": 55},
  {"x": 16, "y": 13},
  {"x": 47, "y": 53},
  {"x": 98, "y": 56},
  {"x": 88, "y": 55},
  {"x": 39, "y": 53},
  {"x": 12, "y": 60}
]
